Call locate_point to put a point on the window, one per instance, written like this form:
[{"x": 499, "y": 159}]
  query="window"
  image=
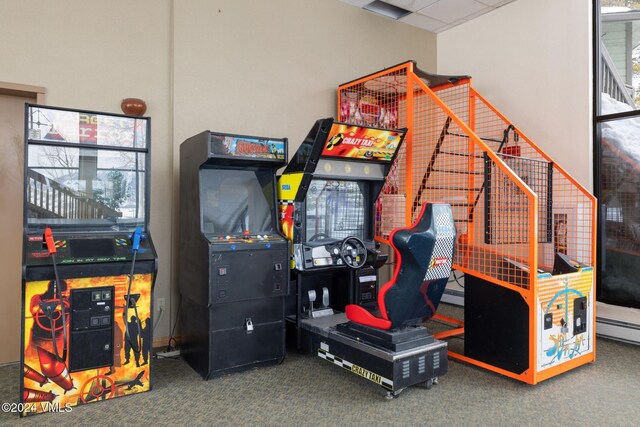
[{"x": 617, "y": 149}]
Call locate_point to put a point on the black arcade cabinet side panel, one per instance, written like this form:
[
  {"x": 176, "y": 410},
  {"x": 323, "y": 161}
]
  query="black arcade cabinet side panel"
[{"x": 496, "y": 325}]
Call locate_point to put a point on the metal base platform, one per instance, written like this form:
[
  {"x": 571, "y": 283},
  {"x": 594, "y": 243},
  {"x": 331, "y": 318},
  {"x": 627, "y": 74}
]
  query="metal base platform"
[{"x": 419, "y": 359}]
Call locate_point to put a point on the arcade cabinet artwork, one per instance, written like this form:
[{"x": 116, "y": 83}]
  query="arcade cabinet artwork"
[
  {"x": 234, "y": 263},
  {"x": 88, "y": 263},
  {"x": 328, "y": 198},
  {"x": 526, "y": 228}
]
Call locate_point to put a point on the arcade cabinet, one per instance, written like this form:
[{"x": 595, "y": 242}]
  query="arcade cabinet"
[
  {"x": 89, "y": 264},
  {"x": 328, "y": 194},
  {"x": 327, "y": 197},
  {"x": 234, "y": 263},
  {"x": 526, "y": 229}
]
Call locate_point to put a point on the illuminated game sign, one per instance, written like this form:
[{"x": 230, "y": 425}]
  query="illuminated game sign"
[
  {"x": 80, "y": 127},
  {"x": 247, "y": 147},
  {"x": 356, "y": 142}
]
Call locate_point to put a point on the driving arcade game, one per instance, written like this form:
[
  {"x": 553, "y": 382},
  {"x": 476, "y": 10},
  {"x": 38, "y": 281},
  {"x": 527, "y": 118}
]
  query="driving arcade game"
[
  {"x": 526, "y": 229},
  {"x": 88, "y": 261},
  {"x": 234, "y": 263},
  {"x": 328, "y": 194}
]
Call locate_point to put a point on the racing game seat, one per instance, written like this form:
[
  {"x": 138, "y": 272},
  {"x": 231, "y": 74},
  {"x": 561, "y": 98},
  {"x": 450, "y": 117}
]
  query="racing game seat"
[{"x": 423, "y": 255}]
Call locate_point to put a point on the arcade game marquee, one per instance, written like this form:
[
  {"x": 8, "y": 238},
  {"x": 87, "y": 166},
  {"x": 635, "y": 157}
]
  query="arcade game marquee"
[
  {"x": 88, "y": 261},
  {"x": 234, "y": 269},
  {"x": 328, "y": 194}
]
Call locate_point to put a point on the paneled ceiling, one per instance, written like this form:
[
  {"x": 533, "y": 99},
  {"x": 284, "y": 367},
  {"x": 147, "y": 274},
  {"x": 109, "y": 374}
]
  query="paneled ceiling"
[{"x": 432, "y": 15}]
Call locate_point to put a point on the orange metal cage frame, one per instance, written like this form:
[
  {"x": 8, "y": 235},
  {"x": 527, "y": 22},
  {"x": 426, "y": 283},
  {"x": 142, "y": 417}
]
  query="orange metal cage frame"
[{"x": 510, "y": 199}]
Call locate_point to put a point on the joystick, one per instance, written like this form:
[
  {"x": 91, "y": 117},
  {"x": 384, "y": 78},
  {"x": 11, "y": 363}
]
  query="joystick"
[{"x": 47, "y": 237}]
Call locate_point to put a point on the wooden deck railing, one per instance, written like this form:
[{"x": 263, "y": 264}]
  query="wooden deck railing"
[
  {"x": 48, "y": 198},
  {"x": 611, "y": 82}
]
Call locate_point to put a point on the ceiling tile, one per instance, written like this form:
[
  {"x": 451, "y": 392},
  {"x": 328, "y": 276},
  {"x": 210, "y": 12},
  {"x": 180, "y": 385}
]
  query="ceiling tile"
[
  {"x": 412, "y": 5},
  {"x": 495, "y": 3},
  {"x": 358, "y": 3},
  {"x": 439, "y": 15},
  {"x": 481, "y": 12},
  {"x": 423, "y": 22},
  {"x": 450, "y": 11},
  {"x": 446, "y": 27}
]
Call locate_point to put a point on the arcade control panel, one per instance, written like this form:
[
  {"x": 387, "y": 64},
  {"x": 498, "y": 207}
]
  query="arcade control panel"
[
  {"x": 86, "y": 248},
  {"x": 247, "y": 267},
  {"x": 245, "y": 238},
  {"x": 326, "y": 253},
  {"x": 321, "y": 254}
]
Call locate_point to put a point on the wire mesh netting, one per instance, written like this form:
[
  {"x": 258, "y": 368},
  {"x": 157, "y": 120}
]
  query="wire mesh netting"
[
  {"x": 512, "y": 205},
  {"x": 569, "y": 220},
  {"x": 505, "y": 209},
  {"x": 381, "y": 102}
]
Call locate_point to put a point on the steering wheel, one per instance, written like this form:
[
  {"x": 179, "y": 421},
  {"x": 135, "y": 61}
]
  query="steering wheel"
[
  {"x": 353, "y": 252},
  {"x": 318, "y": 236}
]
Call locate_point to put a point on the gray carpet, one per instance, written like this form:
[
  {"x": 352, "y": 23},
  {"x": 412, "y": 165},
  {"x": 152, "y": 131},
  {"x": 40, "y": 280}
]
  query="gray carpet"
[{"x": 308, "y": 390}]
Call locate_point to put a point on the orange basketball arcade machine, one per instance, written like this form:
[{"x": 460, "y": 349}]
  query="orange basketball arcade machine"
[{"x": 526, "y": 228}]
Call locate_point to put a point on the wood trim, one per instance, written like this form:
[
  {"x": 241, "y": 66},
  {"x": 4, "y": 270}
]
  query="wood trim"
[{"x": 27, "y": 91}]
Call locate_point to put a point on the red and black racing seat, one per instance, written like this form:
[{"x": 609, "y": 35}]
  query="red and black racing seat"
[{"x": 423, "y": 256}]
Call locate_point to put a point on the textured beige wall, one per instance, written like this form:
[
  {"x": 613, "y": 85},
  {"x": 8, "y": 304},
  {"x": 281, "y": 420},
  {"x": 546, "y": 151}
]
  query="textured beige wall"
[
  {"x": 91, "y": 55},
  {"x": 532, "y": 60},
  {"x": 254, "y": 67},
  {"x": 273, "y": 67}
]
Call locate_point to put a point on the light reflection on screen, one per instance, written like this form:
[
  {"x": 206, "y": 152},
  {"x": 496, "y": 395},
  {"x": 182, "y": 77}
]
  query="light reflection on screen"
[
  {"x": 335, "y": 209},
  {"x": 234, "y": 201}
]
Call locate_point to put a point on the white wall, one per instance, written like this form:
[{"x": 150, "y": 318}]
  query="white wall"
[
  {"x": 253, "y": 67},
  {"x": 532, "y": 60}
]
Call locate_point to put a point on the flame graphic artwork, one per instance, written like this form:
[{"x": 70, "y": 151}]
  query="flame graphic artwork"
[{"x": 53, "y": 382}]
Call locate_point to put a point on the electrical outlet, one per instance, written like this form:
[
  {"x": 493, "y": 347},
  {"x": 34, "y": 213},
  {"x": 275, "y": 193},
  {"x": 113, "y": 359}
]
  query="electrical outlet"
[{"x": 162, "y": 304}]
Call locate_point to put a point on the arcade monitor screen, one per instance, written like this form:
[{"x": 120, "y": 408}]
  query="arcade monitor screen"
[
  {"x": 234, "y": 201},
  {"x": 335, "y": 209}
]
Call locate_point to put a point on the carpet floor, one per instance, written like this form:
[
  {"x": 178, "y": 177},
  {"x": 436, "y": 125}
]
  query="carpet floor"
[{"x": 306, "y": 390}]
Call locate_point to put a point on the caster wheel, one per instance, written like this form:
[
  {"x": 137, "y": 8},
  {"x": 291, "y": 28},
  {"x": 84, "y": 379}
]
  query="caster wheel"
[{"x": 393, "y": 394}]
